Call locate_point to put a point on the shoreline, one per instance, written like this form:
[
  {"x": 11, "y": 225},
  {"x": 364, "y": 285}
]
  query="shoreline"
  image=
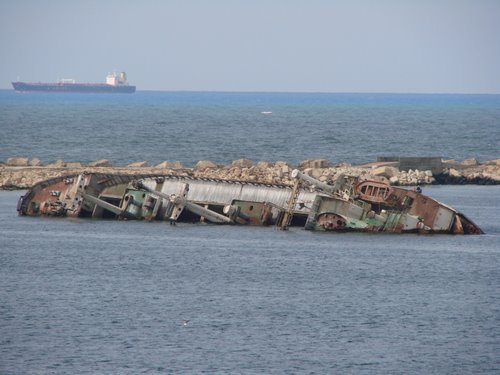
[{"x": 23, "y": 173}]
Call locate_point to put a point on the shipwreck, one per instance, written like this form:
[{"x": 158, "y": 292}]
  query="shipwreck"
[{"x": 347, "y": 204}]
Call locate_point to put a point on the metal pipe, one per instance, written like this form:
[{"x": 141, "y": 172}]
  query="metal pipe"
[
  {"x": 193, "y": 207},
  {"x": 140, "y": 185},
  {"x": 103, "y": 204},
  {"x": 234, "y": 212},
  {"x": 320, "y": 185},
  {"x": 202, "y": 211}
]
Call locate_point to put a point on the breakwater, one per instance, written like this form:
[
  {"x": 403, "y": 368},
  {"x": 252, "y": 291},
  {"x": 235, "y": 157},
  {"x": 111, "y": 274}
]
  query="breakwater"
[{"x": 22, "y": 173}]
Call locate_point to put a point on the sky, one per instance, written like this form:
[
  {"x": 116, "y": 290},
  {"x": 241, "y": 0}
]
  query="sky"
[{"x": 397, "y": 46}]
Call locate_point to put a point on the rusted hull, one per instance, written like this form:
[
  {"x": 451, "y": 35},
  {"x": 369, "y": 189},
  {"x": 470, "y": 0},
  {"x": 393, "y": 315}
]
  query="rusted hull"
[
  {"x": 403, "y": 211},
  {"x": 62, "y": 196},
  {"x": 347, "y": 205},
  {"x": 159, "y": 197}
]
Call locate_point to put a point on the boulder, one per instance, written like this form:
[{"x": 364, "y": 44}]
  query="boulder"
[
  {"x": 204, "y": 164},
  {"x": 17, "y": 162},
  {"x": 469, "y": 163},
  {"x": 493, "y": 162},
  {"x": 6, "y": 183},
  {"x": 235, "y": 172},
  {"x": 385, "y": 171},
  {"x": 242, "y": 163},
  {"x": 492, "y": 172},
  {"x": 280, "y": 163},
  {"x": 264, "y": 165},
  {"x": 164, "y": 165},
  {"x": 138, "y": 164},
  {"x": 318, "y": 163},
  {"x": 343, "y": 165},
  {"x": 382, "y": 179},
  {"x": 316, "y": 173},
  {"x": 100, "y": 163},
  {"x": 304, "y": 164},
  {"x": 57, "y": 164},
  {"x": 169, "y": 165},
  {"x": 413, "y": 181},
  {"x": 35, "y": 162},
  {"x": 450, "y": 164},
  {"x": 285, "y": 169},
  {"x": 394, "y": 180},
  {"x": 74, "y": 165}
]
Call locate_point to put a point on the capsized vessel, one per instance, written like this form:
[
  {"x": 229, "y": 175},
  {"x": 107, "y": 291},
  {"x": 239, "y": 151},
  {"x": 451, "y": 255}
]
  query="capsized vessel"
[{"x": 349, "y": 204}]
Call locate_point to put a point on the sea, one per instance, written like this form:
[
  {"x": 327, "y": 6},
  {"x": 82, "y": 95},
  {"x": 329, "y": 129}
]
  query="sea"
[
  {"x": 82, "y": 296},
  {"x": 222, "y": 127}
]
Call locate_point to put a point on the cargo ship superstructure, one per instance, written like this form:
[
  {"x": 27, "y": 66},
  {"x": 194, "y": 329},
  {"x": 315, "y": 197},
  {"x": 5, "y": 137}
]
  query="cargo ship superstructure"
[{"x": 115, "y": 83}]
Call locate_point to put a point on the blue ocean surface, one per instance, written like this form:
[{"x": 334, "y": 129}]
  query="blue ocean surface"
[
  {"x": 218, "y": 126},
  {"x": 82, "y": 296},
  {"x": 98, "y": 297}
]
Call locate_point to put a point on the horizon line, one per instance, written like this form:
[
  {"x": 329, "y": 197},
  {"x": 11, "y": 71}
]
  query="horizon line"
[{"x": 300, "y": 92}]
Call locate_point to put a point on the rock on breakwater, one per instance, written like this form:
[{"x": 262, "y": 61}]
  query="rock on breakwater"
[{"x": 22, "y": 173}]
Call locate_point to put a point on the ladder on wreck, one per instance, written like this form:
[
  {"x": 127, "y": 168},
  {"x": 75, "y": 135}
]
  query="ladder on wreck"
[{"x": 287, "y": 217}]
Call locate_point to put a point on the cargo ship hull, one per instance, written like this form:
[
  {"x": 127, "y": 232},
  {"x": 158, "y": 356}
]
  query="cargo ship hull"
[{"x": 73, "y": 87}]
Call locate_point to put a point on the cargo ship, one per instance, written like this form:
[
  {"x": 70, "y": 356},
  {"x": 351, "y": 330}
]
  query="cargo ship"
[{"x": 115, "y": 83}]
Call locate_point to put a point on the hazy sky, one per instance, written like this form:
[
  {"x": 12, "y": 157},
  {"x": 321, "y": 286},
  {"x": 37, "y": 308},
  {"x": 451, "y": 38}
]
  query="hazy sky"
[{"x": 450, "y": 46}]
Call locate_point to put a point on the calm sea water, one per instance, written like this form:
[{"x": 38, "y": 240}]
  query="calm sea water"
[
  {"x": 191, "y": 126},
  {"x": 107, "y": 297}
]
